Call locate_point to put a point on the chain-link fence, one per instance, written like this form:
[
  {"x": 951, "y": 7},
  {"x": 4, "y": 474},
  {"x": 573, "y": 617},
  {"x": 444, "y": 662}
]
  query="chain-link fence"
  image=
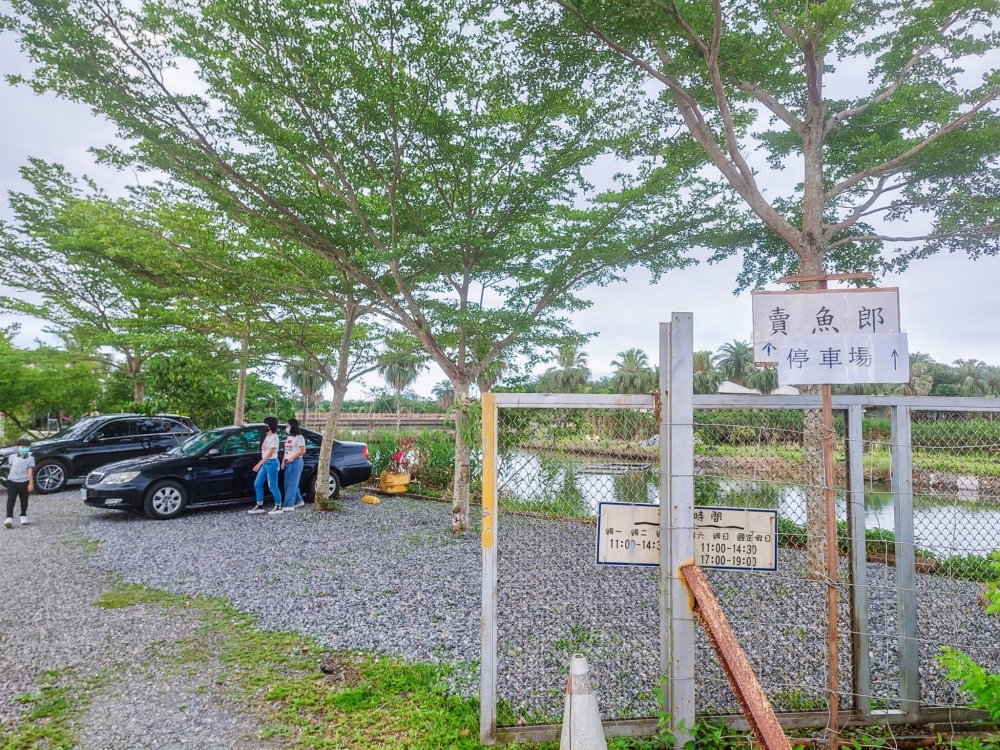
[{"x": 918, "y": 516}]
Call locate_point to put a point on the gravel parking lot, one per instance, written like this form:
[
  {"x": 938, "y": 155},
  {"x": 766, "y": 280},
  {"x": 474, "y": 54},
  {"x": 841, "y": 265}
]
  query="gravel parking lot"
[
  {"x": 391, "y": 578},
  {"x": 122, "y": 659}
]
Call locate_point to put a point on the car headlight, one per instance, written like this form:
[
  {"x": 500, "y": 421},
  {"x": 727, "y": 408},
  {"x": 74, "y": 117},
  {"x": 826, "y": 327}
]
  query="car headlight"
[{"x": 120, "y": 477}]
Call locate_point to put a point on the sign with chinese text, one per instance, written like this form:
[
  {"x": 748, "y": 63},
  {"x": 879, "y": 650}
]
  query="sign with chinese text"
[
  {"x": 736, "y": 538},
  {"x": 628, "y": 534},
  {"x": 819, "y": 312},
  {"x": 730, "y": 538},
  {"x": 869, "y": 358}
]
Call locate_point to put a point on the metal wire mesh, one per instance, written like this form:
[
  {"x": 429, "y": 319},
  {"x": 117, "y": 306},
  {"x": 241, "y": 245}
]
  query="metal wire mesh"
[
  {"x": 556, "y": 465},
  {"x": 761, "y": 459},
  {"x": 553, "y": 600}
]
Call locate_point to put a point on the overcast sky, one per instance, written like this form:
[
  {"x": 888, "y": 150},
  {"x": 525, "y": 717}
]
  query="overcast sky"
[{"x": 949, "y": 305}]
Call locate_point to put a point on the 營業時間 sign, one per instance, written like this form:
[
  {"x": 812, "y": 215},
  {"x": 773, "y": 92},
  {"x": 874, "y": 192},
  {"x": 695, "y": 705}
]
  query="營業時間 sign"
[{"x": 729, "y": 538}]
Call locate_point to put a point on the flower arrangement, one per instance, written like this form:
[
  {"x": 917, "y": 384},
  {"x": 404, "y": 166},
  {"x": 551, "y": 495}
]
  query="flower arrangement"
[{"x": 402, "y": 460}]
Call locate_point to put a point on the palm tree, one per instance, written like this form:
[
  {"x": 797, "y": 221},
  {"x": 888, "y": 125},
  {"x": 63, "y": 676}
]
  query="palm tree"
[
  {"x": 309, "y": 382},
  {"x": 973, "y": 377},
  {"x": 706, "y": 376},
  {"x": 763, "y": 379},
  {"x": 570, "y": 372},
  {"x": 993, "y": 381},
  {"x": 735, "y": 361},
  {"x": 444, "y": 392},
  {"x": 921, "y": 381},
  {"x": 400, "y": 369},
  {"x": 632, "y": 373}
]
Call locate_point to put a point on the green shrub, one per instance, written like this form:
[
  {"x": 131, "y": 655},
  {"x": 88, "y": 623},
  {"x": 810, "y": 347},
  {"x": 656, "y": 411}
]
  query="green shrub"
[{"x": 433, "y": 457}]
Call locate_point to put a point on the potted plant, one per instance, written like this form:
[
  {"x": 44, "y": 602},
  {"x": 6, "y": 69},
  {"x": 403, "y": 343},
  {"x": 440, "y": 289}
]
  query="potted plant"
[{"x": 396, "y": 477}]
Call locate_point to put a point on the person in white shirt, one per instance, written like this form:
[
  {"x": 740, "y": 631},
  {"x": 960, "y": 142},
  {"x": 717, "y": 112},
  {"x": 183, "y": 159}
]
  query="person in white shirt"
[
  {"x": 20, "y": 481},
  {"x": 295, "y": 449},
  {"x": 269, "y": 463}
]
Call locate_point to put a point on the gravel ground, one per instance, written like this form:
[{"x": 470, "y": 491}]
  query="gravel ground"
[
  {"x": 391, "y": 578},
  {"x": 51, "y": 632}
]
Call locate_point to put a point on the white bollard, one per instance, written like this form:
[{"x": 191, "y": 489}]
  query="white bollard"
[{"x": 581, "y": 727}]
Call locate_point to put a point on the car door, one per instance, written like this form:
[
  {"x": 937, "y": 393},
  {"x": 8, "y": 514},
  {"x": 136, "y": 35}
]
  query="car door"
[
  {"x": 114, "y": 440},
  {"x": 223, "y": 476},
  {"x": 158, "y": 434}
]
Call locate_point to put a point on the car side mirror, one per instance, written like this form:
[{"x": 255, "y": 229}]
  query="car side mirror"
[{"x": 213, "y": 452}]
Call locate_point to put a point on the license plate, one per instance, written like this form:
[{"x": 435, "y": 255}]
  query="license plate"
[{"x": 83, "y": 493}]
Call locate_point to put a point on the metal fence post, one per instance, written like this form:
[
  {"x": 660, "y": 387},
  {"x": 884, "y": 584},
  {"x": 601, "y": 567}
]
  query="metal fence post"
[
  {"x": 664, "y": 416},
  {"x": 860, "y": 647},
  {"x": 906, "y": 575},
  {"x": 488, "y": 642},
  {"x": 677, "y": 522}
]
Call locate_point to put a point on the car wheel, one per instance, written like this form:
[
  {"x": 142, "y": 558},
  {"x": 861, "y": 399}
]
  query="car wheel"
[
  {"x": 50, "y": 476},
  {"x": 333, "y": 486},
  {"x": 165, "y": 500}
]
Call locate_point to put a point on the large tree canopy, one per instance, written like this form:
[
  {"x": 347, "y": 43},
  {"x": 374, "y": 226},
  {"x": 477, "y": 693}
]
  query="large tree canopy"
[
  {"x": 906, "y": 159},
  {"x": 436, "y": 154}
]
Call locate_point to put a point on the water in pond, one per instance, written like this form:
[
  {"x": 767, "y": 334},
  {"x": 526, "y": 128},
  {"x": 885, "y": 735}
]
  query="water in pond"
[{"x": 574, "y": 485}]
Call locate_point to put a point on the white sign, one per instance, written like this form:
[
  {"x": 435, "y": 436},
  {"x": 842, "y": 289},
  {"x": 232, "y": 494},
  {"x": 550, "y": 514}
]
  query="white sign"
[
  {"x": 628, "y": 534},
  {"x": 730, "y": 538},
  {"x": 870, "y": 358},
  {"x": 819, "y": 312}
]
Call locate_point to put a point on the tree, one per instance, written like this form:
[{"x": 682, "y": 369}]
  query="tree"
[
  {"x": 632, "y": 373},
  {"x": 444, "y": 392},
  {"x": 399, "y": 366},
  {"x": 909, "y": 158},
  {"x": 864, "y": 165},
  {"x": 85, "y": 299},
  {"x": 973, "y": 377},
  {"x": 435, "y": 155},
  {"x": 921, "y": 381},
  {"x": 706, "y": 377},
  {"x": 308, "y": 382},
  {"x": 570, "y": 373},
  {"x": 735, "y": 362}
]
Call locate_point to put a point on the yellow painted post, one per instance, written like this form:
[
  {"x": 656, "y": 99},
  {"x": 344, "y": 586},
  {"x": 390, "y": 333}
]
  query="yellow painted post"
[{"x": 488, "y": 642}]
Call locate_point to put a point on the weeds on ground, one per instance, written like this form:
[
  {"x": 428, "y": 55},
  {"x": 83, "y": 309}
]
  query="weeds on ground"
[{"x": 49, "y": 718}]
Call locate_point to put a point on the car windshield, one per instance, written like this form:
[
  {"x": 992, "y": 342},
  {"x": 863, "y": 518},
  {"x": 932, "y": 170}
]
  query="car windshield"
[
  {"x": 75, "y": 431},
  {"x": 195, "y": 444}
]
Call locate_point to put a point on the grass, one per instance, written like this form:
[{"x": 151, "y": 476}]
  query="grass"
[
  {"x": 49, "y": 718},
  {"x": 362, "y": 701}
]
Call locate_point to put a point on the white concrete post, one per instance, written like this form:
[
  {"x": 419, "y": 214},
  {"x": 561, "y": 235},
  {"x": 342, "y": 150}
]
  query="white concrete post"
[{"x": 677, "y": 521}]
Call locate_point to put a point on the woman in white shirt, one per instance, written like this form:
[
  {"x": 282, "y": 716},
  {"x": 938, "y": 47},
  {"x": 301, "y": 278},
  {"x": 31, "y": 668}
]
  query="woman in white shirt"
[
  {"x": 269, "y": 463},
  {"x": 295, "y": 449}
]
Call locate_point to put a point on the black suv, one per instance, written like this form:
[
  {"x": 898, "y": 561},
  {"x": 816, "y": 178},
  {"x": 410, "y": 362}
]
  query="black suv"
[{"x": 96, "y": 441}]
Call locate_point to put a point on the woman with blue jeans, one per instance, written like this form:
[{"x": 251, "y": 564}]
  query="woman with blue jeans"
[
  {"x": 269, "y": 463},
  {"x": 295, "y": 449}
]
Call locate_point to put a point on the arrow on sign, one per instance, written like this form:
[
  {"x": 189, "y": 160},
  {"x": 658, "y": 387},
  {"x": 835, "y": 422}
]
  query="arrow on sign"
[
  {"x": 895, "y": 358},
  {"x": 768, "y": 348}
]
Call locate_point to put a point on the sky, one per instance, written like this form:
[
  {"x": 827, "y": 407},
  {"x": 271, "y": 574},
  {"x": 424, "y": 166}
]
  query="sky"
[{"x": 949, "y": 304}]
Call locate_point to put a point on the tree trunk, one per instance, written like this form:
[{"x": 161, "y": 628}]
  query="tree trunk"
[
  {"x": 138, "y": 390},
  {"x": 463, "y": 470},
  {"x": 333, "y": 417},
  {"x": 241, "y": 383},
  {"x": 398, "y": 417}
]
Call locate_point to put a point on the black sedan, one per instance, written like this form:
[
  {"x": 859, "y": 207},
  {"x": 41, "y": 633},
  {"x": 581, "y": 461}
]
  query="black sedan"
[
  {"x": 212, "y": 468},
  {"x": 96, "y": 441}
]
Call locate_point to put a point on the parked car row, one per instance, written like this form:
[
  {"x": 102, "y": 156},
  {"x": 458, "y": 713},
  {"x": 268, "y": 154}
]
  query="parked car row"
[{"x": 163, "y": 464}]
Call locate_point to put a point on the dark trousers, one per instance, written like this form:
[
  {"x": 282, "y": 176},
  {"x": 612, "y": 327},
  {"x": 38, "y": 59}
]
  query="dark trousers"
[{"x": 17, "y": 490}]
